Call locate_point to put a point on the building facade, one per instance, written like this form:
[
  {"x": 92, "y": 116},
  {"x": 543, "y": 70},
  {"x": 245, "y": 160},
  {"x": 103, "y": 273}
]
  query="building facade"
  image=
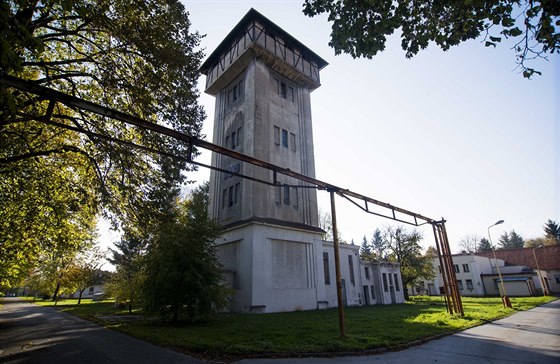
[{"x": 272, "y": 250}]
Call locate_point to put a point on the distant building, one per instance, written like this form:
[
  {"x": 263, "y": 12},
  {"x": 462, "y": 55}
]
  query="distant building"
[
  {"x": 272, "y": 250},
  {"x": 477, "y": 274}
]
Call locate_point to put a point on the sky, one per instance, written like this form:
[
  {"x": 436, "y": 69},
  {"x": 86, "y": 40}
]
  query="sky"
[{"x": 459, "y": 135}]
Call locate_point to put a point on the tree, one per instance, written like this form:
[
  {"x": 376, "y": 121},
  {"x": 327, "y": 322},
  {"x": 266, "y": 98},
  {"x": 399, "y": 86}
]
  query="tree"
[
  {"x": 469, "y": 243},
  {"x": 129, "y": 259},
  {"x": 85, "y": 271},
  {"x": 365, "y": 250},
  {"x": 360, "y": 28},
  {"x": 182, "y": 273},
  {"x": 404, "y": 248},
  {"x": 511, "y": 240},
  {"x": 136, "y": 57},
  {"x": 552, "y": 231},
  {"x": 484, "y": 245},
  {"x": 378, "y": 245},
  {"x": 325, "y": 223}
]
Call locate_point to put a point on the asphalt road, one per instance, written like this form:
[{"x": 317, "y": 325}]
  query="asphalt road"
[{"x": 33, "y": 334}]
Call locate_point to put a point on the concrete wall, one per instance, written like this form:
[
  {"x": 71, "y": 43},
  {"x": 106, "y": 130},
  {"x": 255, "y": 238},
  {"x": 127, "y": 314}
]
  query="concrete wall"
[{"x": 270, "y": 268}]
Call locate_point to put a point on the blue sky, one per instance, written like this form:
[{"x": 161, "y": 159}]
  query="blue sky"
[{"x": 457, "y": 134}]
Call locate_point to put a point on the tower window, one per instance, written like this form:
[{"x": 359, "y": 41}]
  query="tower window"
[
  {"x": 284, "y": 138},
  {"x": 276, "y": 135},
  {"x": 230, "y": 196},
  {"x": 293, "y": 142},
  {"x": 236, "y": 196},
  {"x": 283, "y": 90},
  {"x": 233, "y": 140},
  {"x": 287, "y": 194}
]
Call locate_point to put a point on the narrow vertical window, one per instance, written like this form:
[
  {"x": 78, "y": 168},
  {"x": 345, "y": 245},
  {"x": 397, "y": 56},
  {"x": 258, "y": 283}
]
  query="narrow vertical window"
[
  {"x": 283, "y": 90},
  {"x": 233, "y": 140},
  {"x": 224, "y": 198},
  {"x": 390, "y": 279},
  {"x": 284, "y": 138},
  {"x": 286, "y": 194},
  {"x": 293, "y": 142},
  {"x": 385, "y": 287},
  {"x": 230, "y": 196},
  {"x": 276, "y": 135},
  {"x": 235, "y": 93},
  {"x": 326, "y": 268},
  {"x": 397, "y": 285},
  {"x": 236, "y": 195},
  {"x": 366, "y": 271},
  {"x": 460, "y": 284},
  {"x": 277, "y": 194},
  {"x": 295, "y": 199},
  {"x": 291, "y": 94},
  {"x": 351, "y": 268},
  {"x": 466, "y": 268},
  {"x": 456, "y": 266}
]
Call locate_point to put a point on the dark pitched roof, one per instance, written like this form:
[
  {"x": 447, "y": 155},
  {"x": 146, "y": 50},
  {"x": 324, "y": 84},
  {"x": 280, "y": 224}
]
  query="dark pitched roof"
[
  {"x": 547, "y": 256},
  {"x": 252, "y": 15}
]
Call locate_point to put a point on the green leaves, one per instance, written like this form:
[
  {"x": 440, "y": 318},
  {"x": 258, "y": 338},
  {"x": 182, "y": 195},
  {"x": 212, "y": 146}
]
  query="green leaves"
[
  {"x": 361, "y": 28},
  {"x": 136, "y": 57}
]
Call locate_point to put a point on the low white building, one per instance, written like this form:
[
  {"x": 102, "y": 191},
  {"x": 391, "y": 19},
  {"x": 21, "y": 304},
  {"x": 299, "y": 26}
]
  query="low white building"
[
  {"x": 468, "y": 269},
  {"x": 381, "y": 283}
]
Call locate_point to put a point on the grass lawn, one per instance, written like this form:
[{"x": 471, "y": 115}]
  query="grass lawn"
[{"x": 232, "y": 336}]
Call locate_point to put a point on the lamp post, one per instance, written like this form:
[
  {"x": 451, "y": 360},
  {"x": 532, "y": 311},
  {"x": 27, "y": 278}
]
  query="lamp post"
[
  {"x": 503, "y": 294},
  {"x": 543, "y": 283}
]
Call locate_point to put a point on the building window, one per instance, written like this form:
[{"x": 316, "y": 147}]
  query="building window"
[
  {"x": 469, "y": 283},
  {"x": 224, "y": 198},
  {"x": 233, "y": 140},
  {"x": 390, "y": 279},
  {"x": 385, "y": 287},
  {"x": 236, "y": 194},
  {"x": 234, "y": 93},
  {"x": 466, "y": 268},
  {"x": 351, "y": 268},
  {"x": 460, "y": 284},
  {"x": 397, "y": 285},
  {"x": 366, "y": 271},
  {"x": 295, "y": 198},
  {"x": 293, "y": 142},
  {"x": 286, "y": 194},
  {"x": 276, "y": 135},
  {"x": 326, "y": 268},
  {"x": 456, "y": 266},
  {"x": 372, "y": 289},
  {"x": 230, "y": 196},
  {"x": 284, "y": 138},
  {"x": 283, "y": 91},
  {"x": 495, "y": 284},
  {"x": 91, "y": 289}
]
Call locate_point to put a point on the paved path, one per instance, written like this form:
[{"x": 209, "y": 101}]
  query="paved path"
[
  {"x": 33, "y": 334},
  {"x": 531, "y": 336}
]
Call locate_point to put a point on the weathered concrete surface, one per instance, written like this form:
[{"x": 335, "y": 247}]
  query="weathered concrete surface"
[
  {"x": 34, "y": 334},
  {"x": 531, "y": 336}
]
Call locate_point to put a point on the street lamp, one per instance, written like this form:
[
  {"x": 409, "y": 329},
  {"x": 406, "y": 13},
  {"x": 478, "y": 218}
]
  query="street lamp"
[
  {"x": 543, "y": 283},
  {"x": 503, "y": 294}
]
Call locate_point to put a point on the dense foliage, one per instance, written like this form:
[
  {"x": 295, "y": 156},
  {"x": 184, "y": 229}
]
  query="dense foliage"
[
  {"x": 135, "y": 57},
  {"x": 183, "y": 275},
  {"x": 361, "y": 28}
]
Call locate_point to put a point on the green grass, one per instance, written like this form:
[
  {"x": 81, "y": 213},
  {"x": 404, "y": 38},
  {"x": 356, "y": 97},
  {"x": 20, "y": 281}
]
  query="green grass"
[{"x": 232, "y": 336}]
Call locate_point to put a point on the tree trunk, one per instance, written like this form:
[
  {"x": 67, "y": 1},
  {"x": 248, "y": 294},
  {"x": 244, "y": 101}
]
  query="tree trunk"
[
  {"x": 55, "y": 295},
  {"x": 130, "y": 306},
  {"x": 80, "y": 297}
]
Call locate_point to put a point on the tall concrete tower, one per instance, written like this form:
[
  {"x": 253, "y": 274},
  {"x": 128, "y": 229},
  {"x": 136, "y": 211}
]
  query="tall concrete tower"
[{"x": 262, "y": 78}]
